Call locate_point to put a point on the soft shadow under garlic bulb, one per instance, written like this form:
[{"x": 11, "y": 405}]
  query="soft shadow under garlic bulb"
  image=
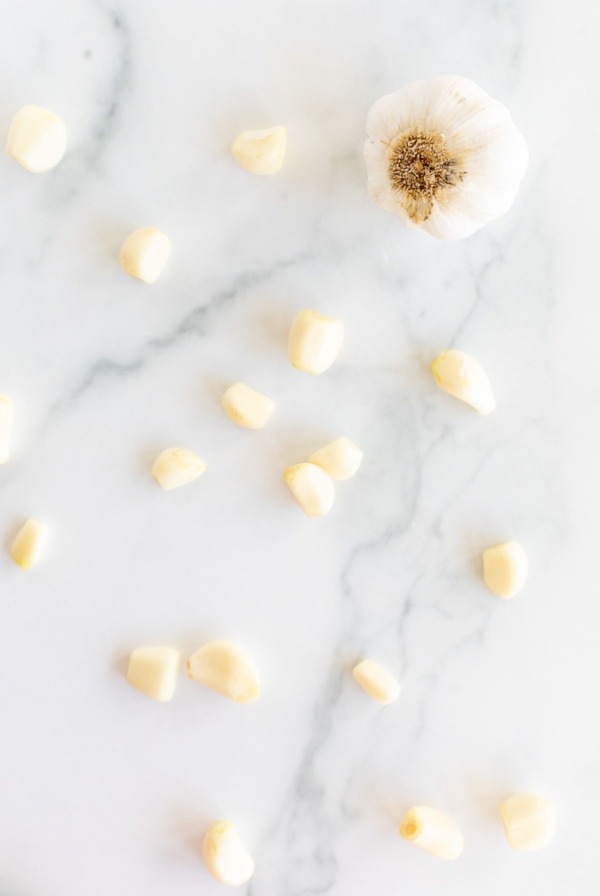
[{"x": 443, "y": 156}]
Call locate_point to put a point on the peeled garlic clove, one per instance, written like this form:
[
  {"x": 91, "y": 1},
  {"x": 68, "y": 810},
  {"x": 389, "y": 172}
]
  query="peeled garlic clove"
[
  {"x": 225, "y": 668},
  {"x": 177, "y": 466},
  {"x": 341, "y": 459},
  {"x": 312, "y": 488},
  {"x": 6, "y": 422},
  {"x": 432, "y": 831},
  {"x": 443, "y": 156},
  {"x": 153, "y": 671},
  {"x": 261, "y": 152},
  {"x": 314, "y": 341},
  {"x": 377, "y": 682},
  {"x": 529, "y": 821},
  {"x": 505, "y": 569},
  {"x": 247, "y": 407},
  {"x": 144, "y": 254},
  {"x": 37, "y": 139},
  {"x": 464, "y": 377},
  {"x": 29, "y": 544},
  {"x": 225, "y": 855}
]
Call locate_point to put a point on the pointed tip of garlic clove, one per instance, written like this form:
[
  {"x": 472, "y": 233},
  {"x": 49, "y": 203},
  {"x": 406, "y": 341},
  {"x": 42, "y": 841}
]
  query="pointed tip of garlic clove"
[
  {"x": 505, "y": 569},
  {"x": 227, "y": 669},
  {"x": 432, "y": 831},
  {"x": 144, "y": 254},
  {"x": 225, "y": 855},
  {"x": 377, "y": 682},
  {"x": 529, "y": 821},
  {"x": 29, "y": 544},
  {"x": 175, "y": 467},
  {"x": 261, "y": 152},
  {"x": 37, "y": 139},
  {"x": 341, "y": 458},
  {"x": 312, "y": 488},
  {"x": 463, "y": 377},
  {"x": 247, "y": 407},
  {"x": 314, "y": 341},
  {"x": 6, "y": 423}
]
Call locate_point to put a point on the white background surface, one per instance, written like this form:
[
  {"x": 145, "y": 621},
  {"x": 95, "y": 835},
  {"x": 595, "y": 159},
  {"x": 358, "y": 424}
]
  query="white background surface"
[{"x": 103, "y": 791}]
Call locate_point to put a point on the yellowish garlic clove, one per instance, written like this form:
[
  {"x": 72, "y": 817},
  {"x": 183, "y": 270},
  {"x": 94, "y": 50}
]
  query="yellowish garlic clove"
[
  {"x": 464, "y": 377},
  {"x": 377, "y": 682},
  {"x": 529, "y": 821},
  {"x": 177, "y": 466},
  {"x": 153, "y": 671},
  {"x": 37, "y": 139},
  {"x": 261, "y": 152},
  {"x": 314, "y": 341},
  {"x": 432, "y": 831},
  {"x": 505, "y": 569},
  {"x": 225, "y": 668},
  {"x": 312, "y": 488},
  {"x": 6, "y": 422},
  {"x": 144, "y": 254},
  {"x": 29, "y": 544},
  {"x": 225, "y": 855},
  {"x": 341, "y": 458},
  {"x": 247, "y": 407}
]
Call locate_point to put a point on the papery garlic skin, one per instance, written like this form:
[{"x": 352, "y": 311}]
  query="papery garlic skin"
[
  {"x": 226, "y": 668},
  {"x": 443, "y": 156},
  {"x": 153, "y": 671},
  {"x": 29, "y": 544},
  {"x": 312, "y": 488},
  {"x": 37, "y": 139},
  {"x": 529, "y": 821},
  {"x": 341, "y": 458},
  {"x": 314, "y": 341},
  {"x": 463, "y": 377},
  {"x": 377, "y": 682},
  {"x": 261, "y": 152},
  {"x": 432, "y": 831},
  {"x": 225, "y": 855},
  {"x": 247, "y": 407},
  {"x": 6, "y": 423},
  {"x": 505, "y": 569},
  {"x": 144, "y": 254},
  {"x": 175, "y": 467}
]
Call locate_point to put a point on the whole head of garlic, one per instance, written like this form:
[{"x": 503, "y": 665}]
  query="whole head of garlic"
[{"x": 443, "y": 156}]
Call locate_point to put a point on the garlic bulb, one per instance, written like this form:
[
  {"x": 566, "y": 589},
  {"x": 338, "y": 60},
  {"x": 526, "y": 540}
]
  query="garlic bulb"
[{"x": 443, "y": 156}]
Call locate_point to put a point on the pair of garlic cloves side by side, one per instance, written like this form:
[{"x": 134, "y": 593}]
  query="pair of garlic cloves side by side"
[
  {"x": 529, "y": 823},
  {"x": 222, "y": 666},
  {"x": 311, "y": 483}
]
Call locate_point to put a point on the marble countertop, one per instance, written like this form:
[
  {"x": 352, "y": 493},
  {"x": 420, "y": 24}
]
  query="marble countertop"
[{"x": 103, "y": 791}]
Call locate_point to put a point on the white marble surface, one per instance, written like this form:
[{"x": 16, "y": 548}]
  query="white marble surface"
[{"x": 103, "y": 791}]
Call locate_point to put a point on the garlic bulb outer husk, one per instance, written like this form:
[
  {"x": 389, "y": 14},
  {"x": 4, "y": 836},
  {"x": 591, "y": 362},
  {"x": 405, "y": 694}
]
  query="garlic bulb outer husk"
[{"x": 444, "y": 156}]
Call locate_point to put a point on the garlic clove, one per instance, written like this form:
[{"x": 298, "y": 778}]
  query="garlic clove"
[
  {"x": 247, "y": 407},
  {"x": 377, "y": 682},
  {"x": 505, "y": 569},
  {"x": 432, "y": 831},
  {"x": 312, "y": 488},
  {"x": 341, "y": 458},
  {"x": 225, "y": 855},
  {"x": 37, "y": 139},
  {"x": 225, "y": 668},
  {"x": 261, "y": 152},
  {"x": 314, "y": 341},
  {"x": 6, "y": 422},
  {"x": 29, "y": 544},
  {"x": 462, "y": 376},
  {"x": 153, "y": 671},
  {"x": 529, "y": 821},
  {"x": 175, "y": 467},
  {"x": 144, "y": 254},
  {"x": 444, "y": 156}
]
